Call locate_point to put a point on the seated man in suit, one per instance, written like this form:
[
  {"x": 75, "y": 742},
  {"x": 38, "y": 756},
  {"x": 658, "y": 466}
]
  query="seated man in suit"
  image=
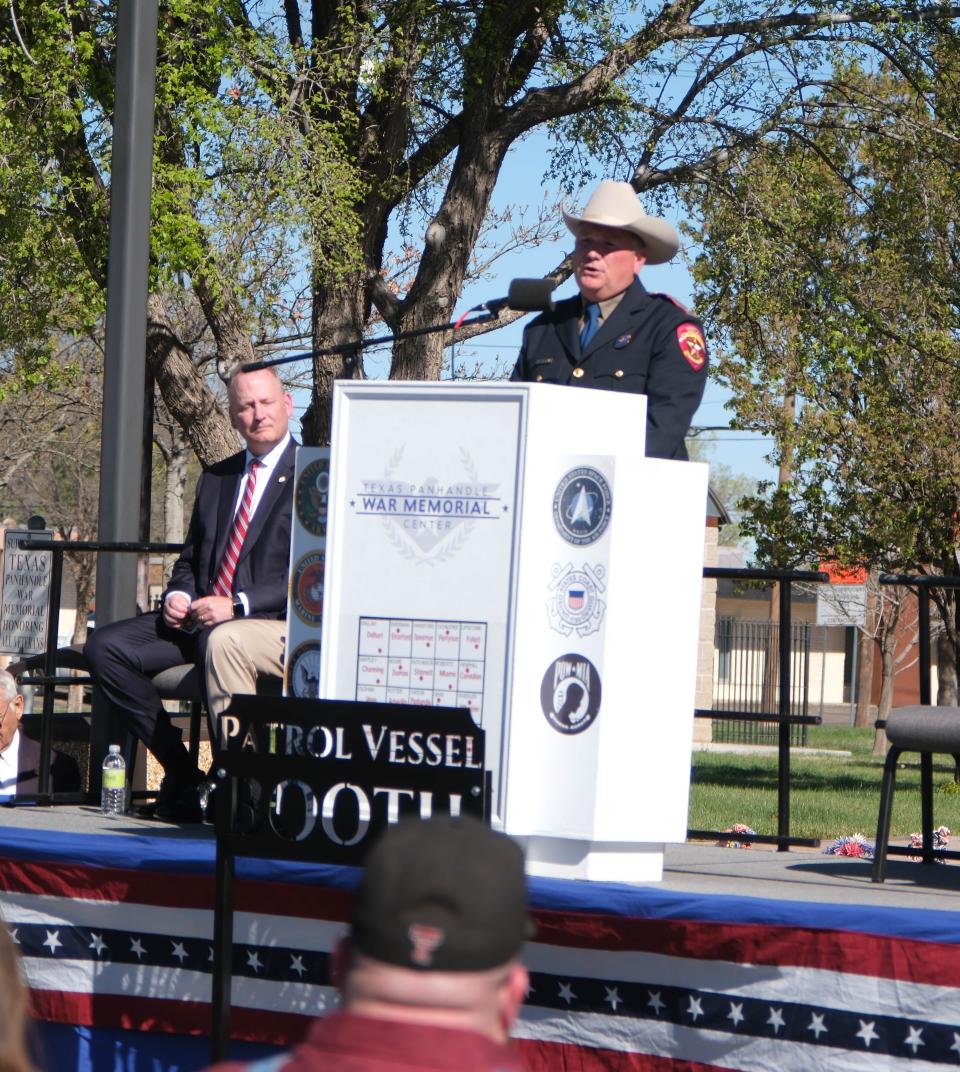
[
  {"x": 615, "y": 335},
  {"x": 233, "y": 567},
  {"x": 20, "y": 756}
]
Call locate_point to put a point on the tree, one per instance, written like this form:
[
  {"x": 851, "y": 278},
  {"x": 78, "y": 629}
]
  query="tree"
[
  {"x": 730, "y": 487},
  {"x": 829, "y": 263},
  {"x": 49, "y": 457},
  {"x": 292, "y": 138}
]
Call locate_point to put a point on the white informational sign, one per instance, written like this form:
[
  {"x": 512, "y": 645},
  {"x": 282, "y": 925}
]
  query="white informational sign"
[
  {"x": 308, "y": 543},
  {"x": 506, "y": 548},
  {"x": 25, "y": 610},
  {"x": 841, "y": 604},
  {"x": 422, "y": 547}
]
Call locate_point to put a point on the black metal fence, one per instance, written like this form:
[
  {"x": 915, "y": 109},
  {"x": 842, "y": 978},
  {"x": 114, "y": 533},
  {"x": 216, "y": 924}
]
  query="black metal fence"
[{"x": 747, "y": 678}]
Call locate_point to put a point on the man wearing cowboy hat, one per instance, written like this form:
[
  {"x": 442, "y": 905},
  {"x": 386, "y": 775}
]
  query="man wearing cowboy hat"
[{"x": 616, "y": 336}]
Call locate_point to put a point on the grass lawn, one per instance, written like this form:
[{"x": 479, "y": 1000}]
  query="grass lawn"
[{"x": 829, "y": 795}]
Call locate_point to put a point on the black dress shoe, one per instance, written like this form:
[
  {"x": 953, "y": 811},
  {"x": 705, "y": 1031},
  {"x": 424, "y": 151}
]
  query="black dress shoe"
[{"x": 175, "y": 803}]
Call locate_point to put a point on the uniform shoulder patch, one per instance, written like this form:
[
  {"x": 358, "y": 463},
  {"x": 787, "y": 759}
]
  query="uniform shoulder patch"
[
  {"x": 692, "y": 346},
  {"x": 670, "y": 298}
]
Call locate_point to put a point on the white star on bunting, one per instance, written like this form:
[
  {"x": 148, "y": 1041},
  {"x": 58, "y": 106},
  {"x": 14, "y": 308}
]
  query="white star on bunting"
[
  {"x": 817, "y": 1026},
  {"x": 867, "y": 1033},
  {"x": 914, "y": 1040}
]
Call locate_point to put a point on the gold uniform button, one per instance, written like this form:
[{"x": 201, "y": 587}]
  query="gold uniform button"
[
  {"x": 619, "y": 373},
  {"x": 539, "y": 379},
  {"x": 578, "y": 373}
]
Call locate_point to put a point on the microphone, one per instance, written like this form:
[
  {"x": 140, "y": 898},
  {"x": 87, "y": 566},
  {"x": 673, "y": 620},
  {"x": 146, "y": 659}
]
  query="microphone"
[{"x": 523, "y": 296}]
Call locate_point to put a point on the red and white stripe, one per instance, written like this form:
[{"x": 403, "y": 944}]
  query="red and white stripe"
[{"x": 223, "y": 585}]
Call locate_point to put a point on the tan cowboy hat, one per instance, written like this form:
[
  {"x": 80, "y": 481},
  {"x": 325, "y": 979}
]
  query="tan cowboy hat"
[{"x": 614, "y": 204}]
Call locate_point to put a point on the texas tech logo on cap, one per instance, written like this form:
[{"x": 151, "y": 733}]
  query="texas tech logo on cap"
[{"x": 424, "y": 942}]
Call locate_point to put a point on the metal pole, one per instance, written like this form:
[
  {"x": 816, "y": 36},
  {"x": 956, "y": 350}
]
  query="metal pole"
[
  {"x": 923, "y": 639},
  {"x": 126, "y": 325},
  {"x": 926, "y": 759},
  {"x": 783, "y": 734},
  {"x": 126, "y": 329}
]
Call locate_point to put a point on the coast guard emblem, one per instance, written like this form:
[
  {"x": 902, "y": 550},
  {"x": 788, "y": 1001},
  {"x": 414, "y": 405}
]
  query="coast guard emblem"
[{"x": 575, "y": 602}]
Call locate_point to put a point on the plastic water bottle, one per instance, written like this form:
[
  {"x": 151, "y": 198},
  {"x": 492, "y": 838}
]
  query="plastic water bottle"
[{"x": 113, "y": 794}]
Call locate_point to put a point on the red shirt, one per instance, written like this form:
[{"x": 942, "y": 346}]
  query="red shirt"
[{"x": 345, "y": 1042}]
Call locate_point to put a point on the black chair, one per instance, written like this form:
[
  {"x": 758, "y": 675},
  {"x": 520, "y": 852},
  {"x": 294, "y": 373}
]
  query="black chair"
[
  {"x": 925, "y": 729},
  {"x": 181, "y": 683}
]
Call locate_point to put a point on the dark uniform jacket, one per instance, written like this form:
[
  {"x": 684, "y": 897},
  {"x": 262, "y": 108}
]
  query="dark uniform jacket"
[
  {"x": 649, "y": 345},
  {"x": 263, "y": 566}
]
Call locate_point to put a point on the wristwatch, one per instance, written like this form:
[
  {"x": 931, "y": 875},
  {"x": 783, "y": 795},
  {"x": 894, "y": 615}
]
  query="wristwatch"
[{"x": 238, "y": 611}]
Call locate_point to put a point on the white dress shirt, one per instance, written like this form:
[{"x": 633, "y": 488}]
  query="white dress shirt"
[{"x": 9, "y": 767}]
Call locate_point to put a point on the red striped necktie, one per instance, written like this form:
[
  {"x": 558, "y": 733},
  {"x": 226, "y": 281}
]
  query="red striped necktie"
[{"x": 223, "y": 585}]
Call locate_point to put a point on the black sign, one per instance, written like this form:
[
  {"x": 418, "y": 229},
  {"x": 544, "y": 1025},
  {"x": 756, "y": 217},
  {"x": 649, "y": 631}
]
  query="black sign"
[{"x": 318, "y": 779}]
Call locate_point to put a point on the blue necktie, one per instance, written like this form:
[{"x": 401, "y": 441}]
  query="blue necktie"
[{"x": 591, "y": 321}]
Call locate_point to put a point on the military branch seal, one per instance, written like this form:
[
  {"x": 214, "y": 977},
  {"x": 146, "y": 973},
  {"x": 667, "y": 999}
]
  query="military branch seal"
[
  {"x": 575, "y": 601},
  {"x": 307, "y": 588},
  {"x": 581, "y": 506},
  {"x": 312, "y": 496},
  {"x": 303, "y": 673}
]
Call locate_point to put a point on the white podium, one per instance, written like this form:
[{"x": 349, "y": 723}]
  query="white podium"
[{"x": 507, "y": 548}]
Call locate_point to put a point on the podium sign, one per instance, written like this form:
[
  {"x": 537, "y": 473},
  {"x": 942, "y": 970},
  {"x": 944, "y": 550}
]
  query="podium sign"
[{"x": 506, "y": 548}]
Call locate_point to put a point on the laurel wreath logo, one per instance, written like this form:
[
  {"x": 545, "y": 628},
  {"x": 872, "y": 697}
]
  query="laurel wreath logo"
[{"x": 450, "y": 547}]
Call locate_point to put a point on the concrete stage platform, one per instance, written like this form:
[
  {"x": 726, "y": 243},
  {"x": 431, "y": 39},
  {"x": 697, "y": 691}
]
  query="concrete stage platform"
[
  {"x": 695, "y": 867},
  {"x": 740, "y": 959}
]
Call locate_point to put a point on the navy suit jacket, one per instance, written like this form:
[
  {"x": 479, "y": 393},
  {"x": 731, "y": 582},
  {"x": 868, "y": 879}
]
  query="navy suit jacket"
[
  {"x": 64, "y": 770},
  {"x": 263, "y": 566},
  {"x": 643, "y": 348}
]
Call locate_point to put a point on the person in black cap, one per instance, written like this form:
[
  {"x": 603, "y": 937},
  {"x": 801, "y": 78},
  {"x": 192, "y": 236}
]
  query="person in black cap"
[{"x": 430, "y": 977}]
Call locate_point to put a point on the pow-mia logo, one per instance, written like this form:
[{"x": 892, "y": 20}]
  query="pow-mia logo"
[
  {"x": 312, "y": 496},
  {"x": 575, "y": 601},
  {"x": 307, "y": 588},
  {"x": 303, "y": 671},
  {"x": 581, "y": 506},
  {"x": 570, "y": 694}
]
